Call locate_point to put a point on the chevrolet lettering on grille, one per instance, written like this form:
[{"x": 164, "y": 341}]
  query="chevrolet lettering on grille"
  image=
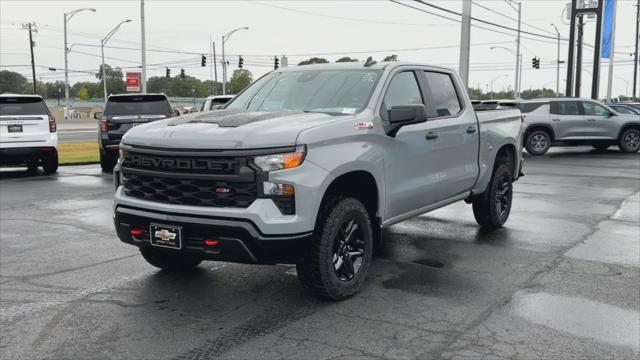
[{"x": 142, "y": 161}]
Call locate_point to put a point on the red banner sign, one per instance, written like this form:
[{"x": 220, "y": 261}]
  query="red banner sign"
[{"x": 133, "y": 81}]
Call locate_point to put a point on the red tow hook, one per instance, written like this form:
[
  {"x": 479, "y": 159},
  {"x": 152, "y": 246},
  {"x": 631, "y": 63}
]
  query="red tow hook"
[
  {"x": 211, "y": 242},
  {"x": 137, "y": 231}
]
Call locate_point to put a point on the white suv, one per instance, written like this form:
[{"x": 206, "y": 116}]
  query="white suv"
[{"x": 27, "y": 133}]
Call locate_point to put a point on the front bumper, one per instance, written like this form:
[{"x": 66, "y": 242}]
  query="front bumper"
[{"x": 239, "y": 240}]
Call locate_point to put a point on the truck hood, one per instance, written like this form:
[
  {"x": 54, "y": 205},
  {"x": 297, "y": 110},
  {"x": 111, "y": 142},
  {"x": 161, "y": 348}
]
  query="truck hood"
[{"x": 227, "y": 129}]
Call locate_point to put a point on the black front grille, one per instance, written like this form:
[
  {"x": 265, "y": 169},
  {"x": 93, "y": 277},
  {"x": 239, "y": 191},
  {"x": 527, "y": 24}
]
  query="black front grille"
[{"x": 194, "y": 181}]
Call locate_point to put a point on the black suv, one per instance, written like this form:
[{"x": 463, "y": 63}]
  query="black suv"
[{"x": 123, "y": 112}]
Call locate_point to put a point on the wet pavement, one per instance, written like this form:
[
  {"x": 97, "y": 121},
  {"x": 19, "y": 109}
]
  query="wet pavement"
[{"x": 560, "y": 281}]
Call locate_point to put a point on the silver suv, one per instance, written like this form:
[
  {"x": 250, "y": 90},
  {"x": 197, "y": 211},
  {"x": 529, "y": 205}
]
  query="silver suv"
[{"x": 570, "y": 121}]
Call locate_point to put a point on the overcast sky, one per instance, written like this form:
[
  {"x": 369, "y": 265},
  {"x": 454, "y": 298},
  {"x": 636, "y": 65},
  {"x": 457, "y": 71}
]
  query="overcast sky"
[{"x": 300, "y": 29}]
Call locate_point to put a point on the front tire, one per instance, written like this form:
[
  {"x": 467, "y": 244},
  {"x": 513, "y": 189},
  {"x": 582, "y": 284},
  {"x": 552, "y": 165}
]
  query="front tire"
[
  {"x": 629, "y": 141},
  {"x": 538, "y": 142},
  {"x": 341, "y": 250},
  {"x": 491, "y": 208},
  {"x": 173, "y": 263}
]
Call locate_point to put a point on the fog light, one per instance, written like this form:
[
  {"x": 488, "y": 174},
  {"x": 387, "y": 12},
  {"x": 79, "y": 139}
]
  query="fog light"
[
  {"x": 211, "y": 242},
  {"x": 278, "y": 189},
  {"x": 137, "y": 231}
]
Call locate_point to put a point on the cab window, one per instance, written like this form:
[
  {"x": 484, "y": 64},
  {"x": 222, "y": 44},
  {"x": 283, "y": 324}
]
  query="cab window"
[
  {"x": 443, "y": 93},
  {"x": 403, "y": 90}
]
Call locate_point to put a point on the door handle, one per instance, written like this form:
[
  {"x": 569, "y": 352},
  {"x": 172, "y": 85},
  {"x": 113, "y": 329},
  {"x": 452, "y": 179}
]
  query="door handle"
[
  {"x": 556, "y": 119},
  {"x": 471, "y": 129},
  {"x": 431, "y": 136},
  {"x": 591, "y": 120}
]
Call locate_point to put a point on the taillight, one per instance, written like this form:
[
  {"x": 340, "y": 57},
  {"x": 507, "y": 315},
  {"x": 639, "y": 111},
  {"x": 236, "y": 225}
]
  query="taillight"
[
  {"x": 104, "y": 124},
  {"x": 522, "y": 117},
  {"x": 52, "y": 124}
]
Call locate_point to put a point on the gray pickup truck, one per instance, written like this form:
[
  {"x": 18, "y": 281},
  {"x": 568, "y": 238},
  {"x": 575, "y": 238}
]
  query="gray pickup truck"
[{"x": 308, "y": 164}]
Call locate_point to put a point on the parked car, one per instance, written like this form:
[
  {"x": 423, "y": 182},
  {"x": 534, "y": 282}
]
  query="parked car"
[
  {"x": 572, "y": 121},
  {"x": 308, "y": 164},
  {"x": 123, "y": 112},
  {"x": 28, "y": 134},
  {"x": 625, "y": 109},
  {"x": 215, "y": 102}
]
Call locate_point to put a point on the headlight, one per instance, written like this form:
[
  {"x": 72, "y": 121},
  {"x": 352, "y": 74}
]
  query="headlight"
[{"x": 280, "y": 161}]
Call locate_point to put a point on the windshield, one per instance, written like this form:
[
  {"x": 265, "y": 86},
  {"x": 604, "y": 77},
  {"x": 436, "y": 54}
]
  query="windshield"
[
  {"x": 22, "y": 106},
  {"x": 136, "y": 104},
  {"x": 326, "y": 91}
]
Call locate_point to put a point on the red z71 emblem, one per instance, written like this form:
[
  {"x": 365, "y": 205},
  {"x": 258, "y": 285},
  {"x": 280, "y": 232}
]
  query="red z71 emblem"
[{"x": 222, "y": 190}]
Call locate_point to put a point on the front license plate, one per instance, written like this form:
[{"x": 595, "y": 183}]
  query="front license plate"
[
  {"x": 167, "y": 236},
  {"x": 14, "y": 128}
]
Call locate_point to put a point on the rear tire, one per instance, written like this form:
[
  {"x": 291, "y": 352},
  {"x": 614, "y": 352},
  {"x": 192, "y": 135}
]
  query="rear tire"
[
  {"x": 107, "y": 161},
  {"x": 341, "y": 250},
  {"x": 491, "y": 208},
  {"x": 50, "y": 163},
  {"x": 538, "y": 142},
  {"x": 173, "y": 263},
  {"x": 629, "y": 141}
]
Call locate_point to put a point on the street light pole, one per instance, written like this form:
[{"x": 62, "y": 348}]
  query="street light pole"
[
  {"x": 224, "y": 61},
  {"x": 518, "y": 69},
  {"x": 626, "y": 91},
  {"x": 518, "y": 80},
  {"x": 557, "y": 62},
  {"x": 67, "y": 17},
  {"x": 492, "y": 80},
  {"x": 102, "y": 43}
]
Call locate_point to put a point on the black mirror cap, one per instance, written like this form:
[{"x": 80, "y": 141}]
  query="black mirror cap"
[{"x": 400, "y": 116}]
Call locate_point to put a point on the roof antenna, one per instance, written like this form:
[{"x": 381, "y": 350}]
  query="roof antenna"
[{"x": 369, "y": 62}]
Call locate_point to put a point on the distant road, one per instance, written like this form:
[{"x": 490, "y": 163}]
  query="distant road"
[{"x": 77, "y": 135}]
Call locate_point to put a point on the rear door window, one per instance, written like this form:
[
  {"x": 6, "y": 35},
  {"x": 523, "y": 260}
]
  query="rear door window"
[
  {"x": 443, "y": 94},
  {"x": 526, "y": 108},
  {"x": 566, "y": 108},
  {"x": 22, "y": 105},
  {"x": 136, "y": 104}
]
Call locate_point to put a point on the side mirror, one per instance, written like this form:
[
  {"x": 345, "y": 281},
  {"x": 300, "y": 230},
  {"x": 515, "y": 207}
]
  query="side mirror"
[
  {"x": 98, "y": 115},
  {"x": 400, "y": 116},
  {"x": 612, "y": 114}
]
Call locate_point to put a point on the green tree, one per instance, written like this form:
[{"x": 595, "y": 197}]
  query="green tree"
[
  {"x": 240, "y": 79},
  {"x": 314, "y": 60},
  {"x": 391, "y": 58},
  {"x": 346, "y": 59},
  {"x": 115, "y": 79},
  {"x": 11, "y": 82},
  {"x": 83, "y": 94},
  {"x": 537, "y": 93}
]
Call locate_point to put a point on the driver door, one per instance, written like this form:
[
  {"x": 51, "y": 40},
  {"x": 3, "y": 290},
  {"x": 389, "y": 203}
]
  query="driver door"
[{"x": 600, "y": 122}]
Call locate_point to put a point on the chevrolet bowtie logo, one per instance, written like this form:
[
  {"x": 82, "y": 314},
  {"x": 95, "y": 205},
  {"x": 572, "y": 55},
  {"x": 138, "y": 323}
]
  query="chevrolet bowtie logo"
[{"x": 165, "y": 235}]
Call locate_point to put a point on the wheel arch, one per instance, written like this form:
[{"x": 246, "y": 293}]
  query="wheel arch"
[
  {"x": 626, "y": 127},
  {"x": 507, "y": 154},
  {"x": 359, "y": 184},
  {"x": 534, "y": 127}
]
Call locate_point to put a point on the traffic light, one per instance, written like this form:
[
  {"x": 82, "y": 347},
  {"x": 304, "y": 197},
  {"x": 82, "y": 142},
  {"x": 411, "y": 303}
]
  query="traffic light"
[
  {"x": 203, "y": 61},
  {"x": 181, "y": 73},
  {"x": 168, "y": 74},
  {"x": 535, "y": 62},
  {"x": 276, "y": 62},
  {"x": 240, "y": 62}
]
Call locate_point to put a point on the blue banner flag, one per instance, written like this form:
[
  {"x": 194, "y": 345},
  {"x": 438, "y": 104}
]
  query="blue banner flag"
[{"x": 608, "y": 26}]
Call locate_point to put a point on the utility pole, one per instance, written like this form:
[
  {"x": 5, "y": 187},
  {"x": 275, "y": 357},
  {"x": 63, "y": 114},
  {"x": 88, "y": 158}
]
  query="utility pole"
[
  {"x": 212, "y": 63},
  {"x": 32, "y": 28},
  {"x": 143, "y": 74},
  {"x": 635, "y": 57},
  {"x": 612, "y": 53},
  {"x": 579, "y": 57},
  {"x": 465, "y": 42},
  {"x": 67, "y": 17}
]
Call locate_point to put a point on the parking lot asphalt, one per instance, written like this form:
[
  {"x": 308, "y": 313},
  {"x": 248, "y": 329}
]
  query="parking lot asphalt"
[{"x": 560, "y": 281}]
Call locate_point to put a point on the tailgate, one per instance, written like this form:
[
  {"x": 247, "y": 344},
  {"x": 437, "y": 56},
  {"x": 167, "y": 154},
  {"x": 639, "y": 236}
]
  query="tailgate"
[
  {"x": 24, "y": 128},
  {"x": 118, "y": 125}
]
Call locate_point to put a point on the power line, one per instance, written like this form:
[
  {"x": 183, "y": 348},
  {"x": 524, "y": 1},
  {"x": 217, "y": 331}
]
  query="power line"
[
  {"x": 485, "y": 21},
  {"x": 511, "y": 18},
  {"x": 342, "y": 17}
]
